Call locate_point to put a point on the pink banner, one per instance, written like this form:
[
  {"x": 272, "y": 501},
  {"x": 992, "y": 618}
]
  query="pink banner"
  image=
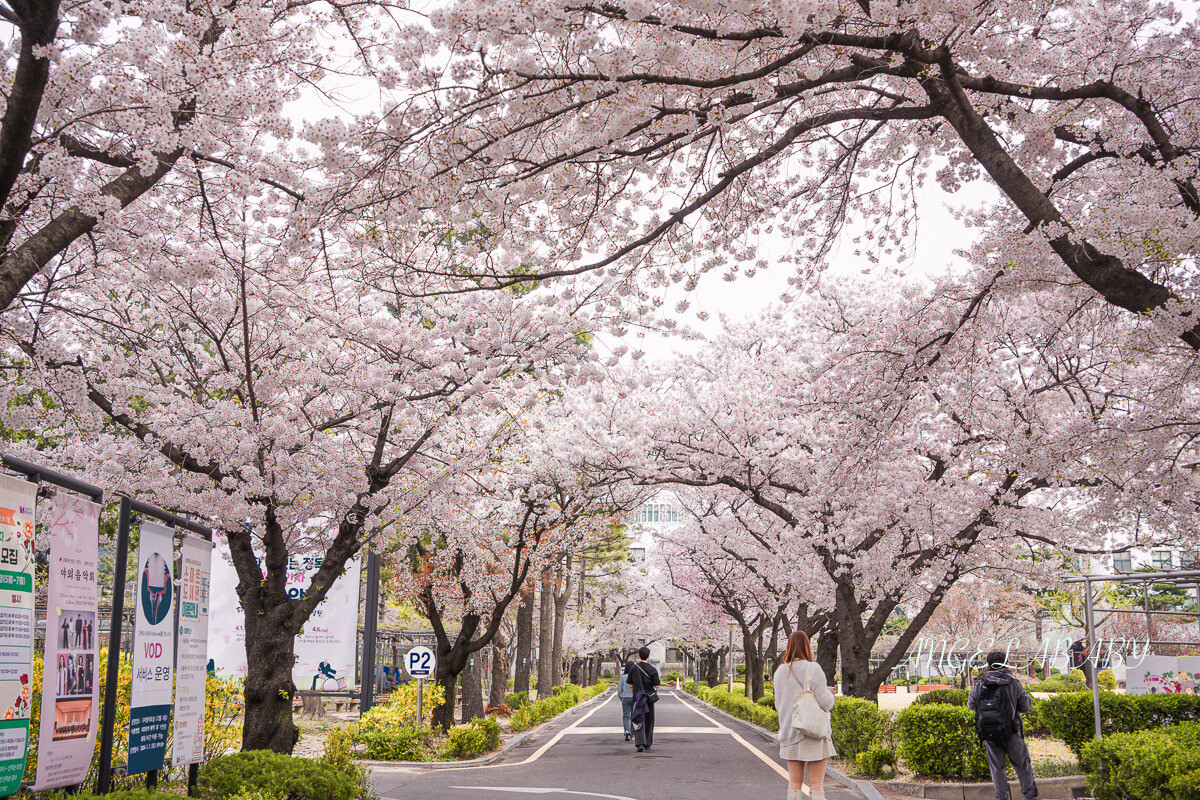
[{"x": 70, "y": 682}]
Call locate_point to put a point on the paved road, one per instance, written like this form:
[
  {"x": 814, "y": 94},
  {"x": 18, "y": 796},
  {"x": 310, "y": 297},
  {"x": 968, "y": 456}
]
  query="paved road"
[{"x": 696, "y": 756}]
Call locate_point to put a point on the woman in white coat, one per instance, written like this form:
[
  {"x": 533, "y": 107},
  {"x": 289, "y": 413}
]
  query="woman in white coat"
[{"x": 801, "y": 752}]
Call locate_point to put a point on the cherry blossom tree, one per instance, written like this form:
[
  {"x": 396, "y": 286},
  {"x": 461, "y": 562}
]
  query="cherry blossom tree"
[
  {"x": 903, "y": 466},
  {"x": 231, "y": 363},
  {"x": 650, "y": 141}
]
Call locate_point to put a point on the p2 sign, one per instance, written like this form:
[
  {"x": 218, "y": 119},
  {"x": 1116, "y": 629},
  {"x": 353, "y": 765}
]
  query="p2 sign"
[{"x": 420, "y": 662}]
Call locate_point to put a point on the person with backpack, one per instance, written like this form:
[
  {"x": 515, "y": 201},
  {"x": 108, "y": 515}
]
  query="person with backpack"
[
  {"x": 998, "y": 701},
  {"x": 625, "y": 695}
]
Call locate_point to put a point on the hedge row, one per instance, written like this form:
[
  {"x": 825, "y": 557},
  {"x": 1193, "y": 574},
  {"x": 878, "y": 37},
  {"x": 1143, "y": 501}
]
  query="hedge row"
[
  {"x": 737, "y": 705},
  {"x": 1160, "y": 764},
  {"x": 939, "y": 740},
  {"x": 1069, "y": 716},
  {"x": 564, "y": 697}
]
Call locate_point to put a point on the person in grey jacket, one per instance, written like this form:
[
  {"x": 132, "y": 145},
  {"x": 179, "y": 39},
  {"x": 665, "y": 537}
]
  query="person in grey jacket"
[
  {"x": 798, "y": 671},
  {"x": 1014, "y": 748},
  {"x": 625, "y": 695}
]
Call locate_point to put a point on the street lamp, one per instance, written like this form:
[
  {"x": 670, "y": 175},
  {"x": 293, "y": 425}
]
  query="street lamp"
[{"x": 732, "y": 627}]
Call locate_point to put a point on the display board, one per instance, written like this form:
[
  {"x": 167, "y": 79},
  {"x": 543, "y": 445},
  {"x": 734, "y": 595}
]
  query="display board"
[
  {"x": 70, "y": 680},
  {"x": 17, "y": 500},
  {"x": 153, "y": 649},
  {"x": 327, "y": 647},
  {"x": 1164, "y": 675},
  {"x": 191, "y": 662}
]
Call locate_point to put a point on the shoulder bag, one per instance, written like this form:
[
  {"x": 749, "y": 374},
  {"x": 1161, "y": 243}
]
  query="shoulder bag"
[
  {"x": 651, "y": 691},
  {"x": 808, "y": 718}
]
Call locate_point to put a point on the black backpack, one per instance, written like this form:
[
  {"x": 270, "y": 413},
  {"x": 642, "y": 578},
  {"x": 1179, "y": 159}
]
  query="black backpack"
[{"x": 995, "y": 720}]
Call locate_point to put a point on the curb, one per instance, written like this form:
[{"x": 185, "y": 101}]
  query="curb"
[
  {"x": 483, "y": 761},
  {"x": 862, "y": 788},
  {"x": 984, "y": 791}
]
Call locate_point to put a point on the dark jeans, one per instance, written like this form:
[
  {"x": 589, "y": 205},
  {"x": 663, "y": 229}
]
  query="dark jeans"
[
  {"x": 626, "y": 711},
  {"x": 644, "y": 736},
  {"x": 1015, "y": 750}
]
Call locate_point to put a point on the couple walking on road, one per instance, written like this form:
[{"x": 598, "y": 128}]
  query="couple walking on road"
[{"x": 638, "y": 694}]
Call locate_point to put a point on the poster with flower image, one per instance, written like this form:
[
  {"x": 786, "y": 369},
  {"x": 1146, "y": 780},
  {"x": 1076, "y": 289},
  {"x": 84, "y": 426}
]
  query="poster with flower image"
[
  {"x": 17, "y": 499},
  {"x": 70, "y": 683}
]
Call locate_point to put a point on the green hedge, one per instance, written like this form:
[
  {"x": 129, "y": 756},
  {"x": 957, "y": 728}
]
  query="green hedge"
[
  {"x": 275, "y": 774},
  {"x": 1060, "y": 684},
  {"x": 857, "y": 726},
  {"x": 564, "y": 697},
  {"x": 948, "y": 697},
  {"x": 471, "y": 739},
  {"x": 1160, "y": 764},
  {"x": 738, "y": 705},
  {"x": 1069, "y": 716},
  {"x": 939, "y": 741}
]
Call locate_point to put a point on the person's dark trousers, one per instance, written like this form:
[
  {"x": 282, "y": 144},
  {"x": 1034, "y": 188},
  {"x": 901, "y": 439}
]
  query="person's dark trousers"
[
  {"x": 1016, "y": 751},
  {"x": 626, "y": 714},
  {"x": 644, "y": 736}
]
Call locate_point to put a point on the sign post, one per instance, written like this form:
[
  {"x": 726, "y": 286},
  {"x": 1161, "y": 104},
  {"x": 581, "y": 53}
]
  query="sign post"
[{"x": 420, "y": 663}]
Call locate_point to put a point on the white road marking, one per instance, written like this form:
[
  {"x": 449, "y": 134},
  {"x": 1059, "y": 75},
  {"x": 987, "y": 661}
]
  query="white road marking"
[
  {"x": 770, "y": 762},
  {"x": 543, "y": 790},
  {"x": 560, "y": 734},
  {"x": 617, "y": 731}
]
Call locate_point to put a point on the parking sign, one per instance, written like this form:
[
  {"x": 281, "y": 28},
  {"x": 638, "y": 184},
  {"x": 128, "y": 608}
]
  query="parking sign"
[{"x": 420, "y": 662}]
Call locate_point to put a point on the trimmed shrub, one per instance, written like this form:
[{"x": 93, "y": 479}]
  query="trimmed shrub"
[
  {"x": 739, "y": 706},
  {"x": 1069, "y": 716},
  {"x": 1060, "y": 684},
  {"x": 1107, "y": 680},
  {"x": 402, "y": 743},
  {"x": 857, "y": 725},
  {"x": 472, "y": 739},
  {"x": 1034, "y": 724},
  {"x": 515, "y": 700},
  {"x": 949, "y": 697},
  {"x": 275, "y": 774},
  {"x": 872, "y": 762},
  {"x": 940, "y": 741},
  {"x": 767, "y": 701},
  {"x": 565, "y": 697},
  {"x": 1160, "y": 764}
]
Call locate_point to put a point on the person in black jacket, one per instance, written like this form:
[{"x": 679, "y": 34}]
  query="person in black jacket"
[
  {"x": 1014, "y": 747},
  {"x": 643, "y": 677}
]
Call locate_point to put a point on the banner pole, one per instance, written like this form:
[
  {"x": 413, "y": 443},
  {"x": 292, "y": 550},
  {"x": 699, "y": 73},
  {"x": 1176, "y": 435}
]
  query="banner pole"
[
  {"x": 113, "y": 667},
  {"x": 420, "y": 716},
  {"x": 370, "y": 631}
]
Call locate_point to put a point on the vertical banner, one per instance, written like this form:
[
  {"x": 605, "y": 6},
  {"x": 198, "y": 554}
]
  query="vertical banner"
[
  {"x": 70, "y": 683},
  {"x": 153, "y": 649},
  {"x": 17, "y": 498},
  {"x": 326, "y": 648},
  {"x": 191, "y": 660}
]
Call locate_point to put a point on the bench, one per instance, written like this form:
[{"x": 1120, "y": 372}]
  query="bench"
[
  {"x": 888, "y": 688},
  {"x": 929, "y": 687}
]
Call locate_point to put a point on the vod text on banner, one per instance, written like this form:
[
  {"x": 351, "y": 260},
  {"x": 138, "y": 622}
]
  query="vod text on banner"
[{"x": 153, "y": 649}]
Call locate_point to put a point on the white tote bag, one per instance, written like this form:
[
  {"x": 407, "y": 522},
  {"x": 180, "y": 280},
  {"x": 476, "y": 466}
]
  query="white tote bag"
[{"x": 808, "y": 718}]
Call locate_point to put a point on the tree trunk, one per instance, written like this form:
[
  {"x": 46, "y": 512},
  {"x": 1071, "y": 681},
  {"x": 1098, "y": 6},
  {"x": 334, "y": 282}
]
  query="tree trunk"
[
  {"x": 472, "y": 689},
  {"x": 524, "y": 652},
  {"x": 562, "y": 596},
  {"x": 443, "y": 715},
  {"x": 710, "y": 667},
  {"x": 578, "y": 671},
  {"x": 268, "y": 693},
  {"x": 754, "y": 668},
  {"x": 593, "y": 672},
  {"x": 827, "y": 650},
  {"x": 545, "y": 687},
  {"x": 499, "y": 671}
]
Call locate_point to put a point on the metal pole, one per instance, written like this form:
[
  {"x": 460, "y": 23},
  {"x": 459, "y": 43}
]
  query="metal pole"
[
  {"x": 1091, "y": 634},
  {"x": 420, "y": 687},
  {"x": 112, "y": 671},
  {"x": 731, "y": 659},
  {"x": 370, "y": 629}
]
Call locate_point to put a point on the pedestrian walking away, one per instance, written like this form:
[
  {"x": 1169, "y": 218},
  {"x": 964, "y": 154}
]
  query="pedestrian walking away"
[
  {"x": 806, "y": 755},
  {"x": 998, "y": 701},
  {"x": 625, "y": 695},
  {"x": 643, "y": 678}
]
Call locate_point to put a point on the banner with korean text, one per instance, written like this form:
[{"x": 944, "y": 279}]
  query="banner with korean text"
[
  {"x": 70, "y": 682},
  {"x": 153, "y": 649},
  {"x": 191, "y": 661},
  {"x": 17, "y": 499},
  {"x": 326, "y": 648}
]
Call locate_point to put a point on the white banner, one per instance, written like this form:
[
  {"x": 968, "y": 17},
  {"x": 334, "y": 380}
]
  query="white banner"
[
  {"x": 327, "y": 647},
  {"x": 70, "y": 682},
  {"x": 191, "y": 659},
  {"x": 1164, "y": 675},
  {"x": 17, "y": 499},
  {"x": 153, "y": 649}
]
